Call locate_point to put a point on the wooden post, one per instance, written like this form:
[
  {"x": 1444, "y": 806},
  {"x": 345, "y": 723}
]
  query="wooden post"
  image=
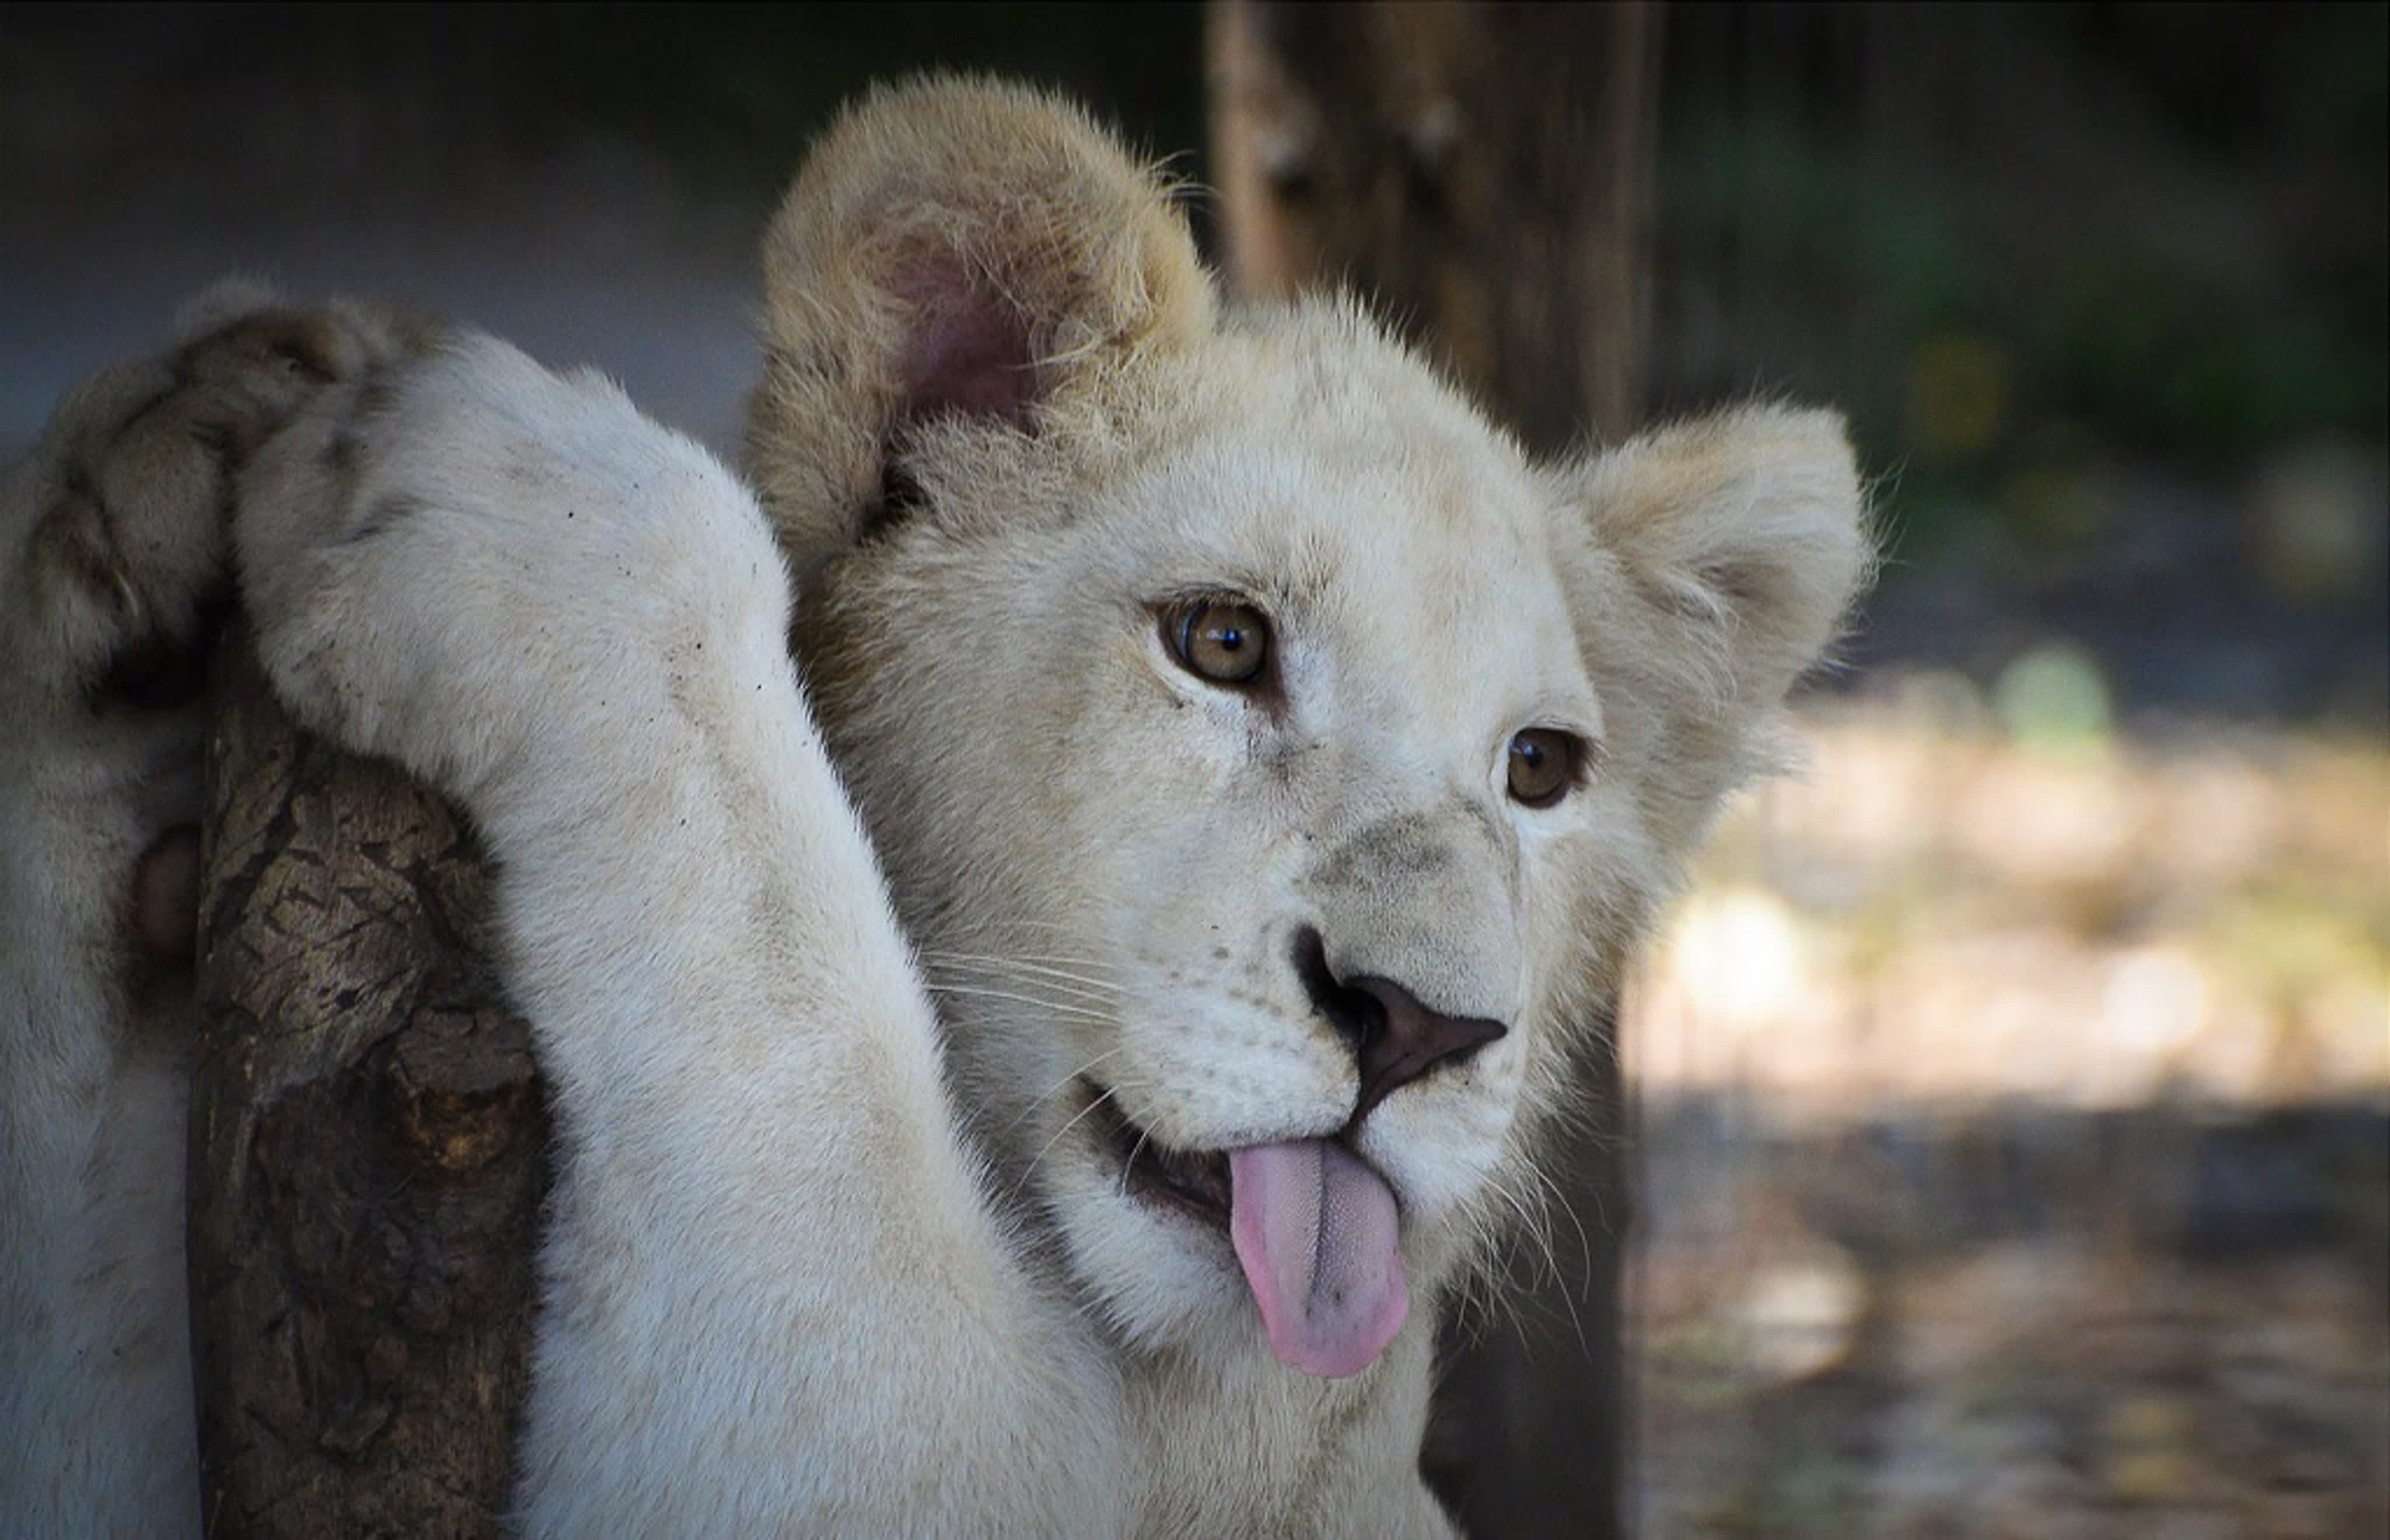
[
  {"x": 369, "y": 1149},
  {"x": 1481, "y": 173}
]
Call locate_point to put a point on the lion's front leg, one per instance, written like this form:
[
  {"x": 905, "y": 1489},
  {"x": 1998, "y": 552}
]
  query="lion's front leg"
[
  {"x": 774, "y": 1294},
  {"x": 112, "y": 568}
]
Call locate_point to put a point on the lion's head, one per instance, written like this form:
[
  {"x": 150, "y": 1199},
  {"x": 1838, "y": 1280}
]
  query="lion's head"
[{"x": 1272, "y": 765}]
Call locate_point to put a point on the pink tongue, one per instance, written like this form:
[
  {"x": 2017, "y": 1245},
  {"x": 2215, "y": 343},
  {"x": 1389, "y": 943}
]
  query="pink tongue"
[{"x": 1314, "y": 1229}]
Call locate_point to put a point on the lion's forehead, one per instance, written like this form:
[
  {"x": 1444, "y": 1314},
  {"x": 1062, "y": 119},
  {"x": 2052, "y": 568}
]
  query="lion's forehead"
[{"x": 1426, "y": 555}]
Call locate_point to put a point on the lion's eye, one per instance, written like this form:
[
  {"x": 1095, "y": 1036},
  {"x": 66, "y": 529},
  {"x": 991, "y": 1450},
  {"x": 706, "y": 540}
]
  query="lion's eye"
[
  {"x": 1223, "y": 640},
  {"x": 1543, "y": 766}
]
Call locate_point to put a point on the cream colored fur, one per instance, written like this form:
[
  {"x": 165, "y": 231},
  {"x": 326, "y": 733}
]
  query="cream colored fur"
[{"x": 825, "y": 958}]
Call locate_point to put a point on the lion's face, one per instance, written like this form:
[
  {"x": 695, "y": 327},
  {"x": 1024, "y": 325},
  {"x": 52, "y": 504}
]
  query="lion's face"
[
  {"x": 1270, "y": 763},
  {"x": 1241, "y": 777}
]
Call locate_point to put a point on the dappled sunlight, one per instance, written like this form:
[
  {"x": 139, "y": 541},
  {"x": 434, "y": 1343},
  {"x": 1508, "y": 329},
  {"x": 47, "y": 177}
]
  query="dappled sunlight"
[
  {"x": 2016, "y": 1136},
  {"x": 1933, "y": 913}
]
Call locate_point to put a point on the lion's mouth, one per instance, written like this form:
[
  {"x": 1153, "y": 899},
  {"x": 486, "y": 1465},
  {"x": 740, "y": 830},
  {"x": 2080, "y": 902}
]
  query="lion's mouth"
[
  {"x": 1315, "y": 1231},
  {"x": 1194, "y": 1181}
]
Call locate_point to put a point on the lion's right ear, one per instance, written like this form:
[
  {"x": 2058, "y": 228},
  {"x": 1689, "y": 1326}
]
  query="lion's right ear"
[{"x": 951, "y": 247}]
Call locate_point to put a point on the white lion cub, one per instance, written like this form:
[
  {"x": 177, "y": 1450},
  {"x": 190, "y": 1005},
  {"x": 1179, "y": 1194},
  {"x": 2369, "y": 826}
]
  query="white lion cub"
[{"x": 1040, "y": 1019}]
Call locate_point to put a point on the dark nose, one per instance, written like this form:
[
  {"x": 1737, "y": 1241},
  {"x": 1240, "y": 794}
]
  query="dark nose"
[{"x": 1394, "y": 1037}]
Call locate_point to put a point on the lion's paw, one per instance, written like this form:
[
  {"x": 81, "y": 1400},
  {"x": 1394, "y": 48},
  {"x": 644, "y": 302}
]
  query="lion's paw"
[
  {"x": 118, "y": 515},
  {"x": 475, "y": 559}
]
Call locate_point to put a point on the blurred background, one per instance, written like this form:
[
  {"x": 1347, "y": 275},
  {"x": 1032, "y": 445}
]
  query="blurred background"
[{"x": 2013, "y": 1090}]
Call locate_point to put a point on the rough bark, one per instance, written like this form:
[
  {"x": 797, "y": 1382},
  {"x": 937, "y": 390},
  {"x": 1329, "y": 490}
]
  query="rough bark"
[
  {"x": 1481, "y": 173},
  {"x": 369, "y": 1147}
]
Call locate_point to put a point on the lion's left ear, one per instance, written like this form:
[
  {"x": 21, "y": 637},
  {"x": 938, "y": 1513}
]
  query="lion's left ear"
[
  {"x": 1743, "y": 535},
  {"x": 1722, "y": 558}
]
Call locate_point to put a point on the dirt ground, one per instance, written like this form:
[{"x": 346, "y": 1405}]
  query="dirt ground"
[{"x": 2016, "y": 1141}]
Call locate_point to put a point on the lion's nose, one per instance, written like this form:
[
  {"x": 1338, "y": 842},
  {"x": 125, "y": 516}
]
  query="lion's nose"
[{"x": 1395, "y": 1038}]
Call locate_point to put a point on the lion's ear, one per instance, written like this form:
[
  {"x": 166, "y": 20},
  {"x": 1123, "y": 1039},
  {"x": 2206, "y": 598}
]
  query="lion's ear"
[
  {"x": 1744, "y": 532},
  {"x": 951, "y": 247},
  {"x": 1725, "y": 553}
]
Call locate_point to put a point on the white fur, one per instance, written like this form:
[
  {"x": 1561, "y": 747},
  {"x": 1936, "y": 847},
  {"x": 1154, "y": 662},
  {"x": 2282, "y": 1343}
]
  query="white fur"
[{"x": 822, "y": 1257}]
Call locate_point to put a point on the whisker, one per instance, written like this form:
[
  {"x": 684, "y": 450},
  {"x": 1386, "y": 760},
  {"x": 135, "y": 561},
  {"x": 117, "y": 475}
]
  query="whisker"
[
  {"x": 1134, "y": 1152},
  {"x": 1067, "y": 959},
  {"x": 1528, "y": 1233},
  {"x": 1559, "y": 1199},
  {"x": 1091, "y": 971},
  {"x": 1020, "y": 922},
  {"x": 1044, "y": 979},
  {"x": 1059, "y": 1085},
  {"x": 1568, "y": 1209},
  {"x": 1056, "y": 1008},
  {"x": 1043, "y": 974},
  {"x": 1093, "y": 1102}
]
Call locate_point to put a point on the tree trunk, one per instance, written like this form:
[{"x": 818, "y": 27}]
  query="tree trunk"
[
  {"x": 369, "y": 1149},
  {"x": 1480, "y": 173}
]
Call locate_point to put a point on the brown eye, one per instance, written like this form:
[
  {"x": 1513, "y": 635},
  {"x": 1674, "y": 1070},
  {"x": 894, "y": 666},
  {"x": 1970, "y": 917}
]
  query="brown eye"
[
  {"x": 1222, "y": 640},
  {"x": 1543, "y": 766}
]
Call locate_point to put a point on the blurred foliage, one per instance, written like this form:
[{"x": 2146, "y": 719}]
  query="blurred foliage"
[
  {"x": 727, "y": 94},
  {"x": 2053, "y": 701},
  {"x": 735, "y": 90},
  {"x": 2019, "y": 239}
]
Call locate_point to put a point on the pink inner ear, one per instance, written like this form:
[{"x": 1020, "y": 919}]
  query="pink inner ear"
[{"x": 968, "y": 351}]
